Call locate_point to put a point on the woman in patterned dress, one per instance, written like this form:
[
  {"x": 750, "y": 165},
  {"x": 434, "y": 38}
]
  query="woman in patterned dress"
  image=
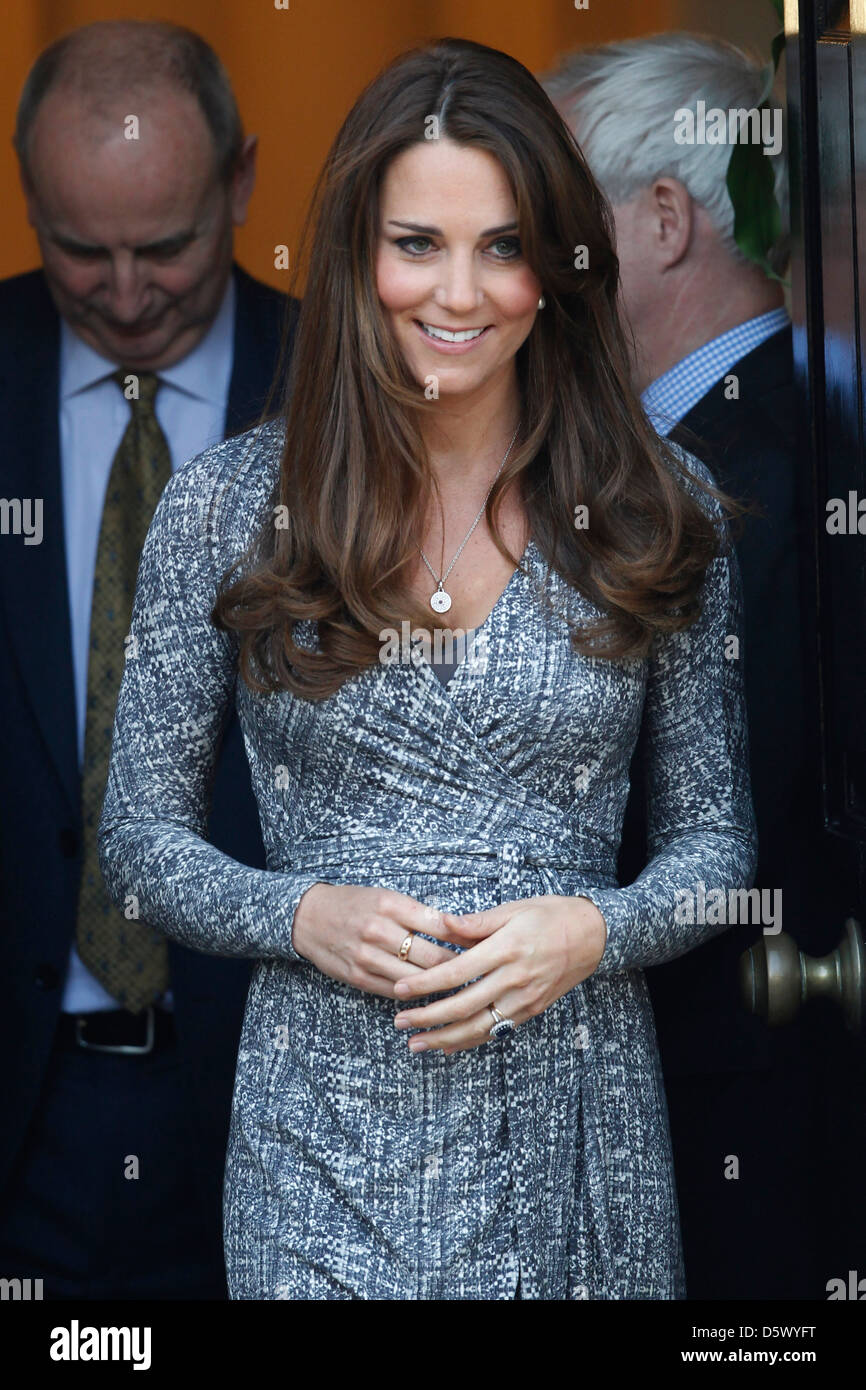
[{"x": 458, "y": 420}]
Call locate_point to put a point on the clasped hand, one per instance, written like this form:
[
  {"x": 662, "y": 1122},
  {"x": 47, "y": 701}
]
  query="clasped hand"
[{"x": 521, "y": 956}]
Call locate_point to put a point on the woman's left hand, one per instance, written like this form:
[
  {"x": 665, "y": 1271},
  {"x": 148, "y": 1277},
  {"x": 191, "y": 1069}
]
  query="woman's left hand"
[{"x": 527, "y": 953}]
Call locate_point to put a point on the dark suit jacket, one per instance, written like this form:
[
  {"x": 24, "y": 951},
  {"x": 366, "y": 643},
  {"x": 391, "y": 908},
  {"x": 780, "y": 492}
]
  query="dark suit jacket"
[
  {"x": 751, "y": 446},
  {"x": 40, "y": 859}
]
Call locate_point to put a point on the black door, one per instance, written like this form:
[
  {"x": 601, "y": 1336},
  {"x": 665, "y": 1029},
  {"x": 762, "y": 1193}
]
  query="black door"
[{"x": 826, "y": 75}]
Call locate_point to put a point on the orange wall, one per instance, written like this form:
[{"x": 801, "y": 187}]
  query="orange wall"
[{"x": 297, "y": 71}]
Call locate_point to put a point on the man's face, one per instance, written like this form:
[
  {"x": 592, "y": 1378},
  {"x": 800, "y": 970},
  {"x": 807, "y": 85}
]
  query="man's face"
[{"x": 135, "y": 234}]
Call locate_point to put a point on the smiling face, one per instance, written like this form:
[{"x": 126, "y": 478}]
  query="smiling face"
[
  {"x": 451, "y": 278},
  {"x": 135, "y": 234}
]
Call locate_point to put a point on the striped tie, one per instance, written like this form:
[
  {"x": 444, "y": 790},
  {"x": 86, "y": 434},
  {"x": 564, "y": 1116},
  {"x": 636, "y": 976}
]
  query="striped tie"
[{"x": 129, "y": 958}]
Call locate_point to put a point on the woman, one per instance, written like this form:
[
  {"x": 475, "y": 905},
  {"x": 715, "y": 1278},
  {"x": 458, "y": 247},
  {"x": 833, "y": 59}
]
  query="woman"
[{"x": 442, "y": 852}]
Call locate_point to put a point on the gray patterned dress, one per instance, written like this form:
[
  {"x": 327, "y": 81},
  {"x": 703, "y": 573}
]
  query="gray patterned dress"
[{"x": 356, "y": 1170}]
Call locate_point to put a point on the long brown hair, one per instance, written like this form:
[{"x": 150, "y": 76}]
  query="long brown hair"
[{"x": 355, "y": 482}]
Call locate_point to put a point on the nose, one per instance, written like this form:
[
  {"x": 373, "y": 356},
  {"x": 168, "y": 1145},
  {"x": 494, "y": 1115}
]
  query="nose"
[
  {"x": 458, "y": 290},
  {"x": 125, "y": 288}
]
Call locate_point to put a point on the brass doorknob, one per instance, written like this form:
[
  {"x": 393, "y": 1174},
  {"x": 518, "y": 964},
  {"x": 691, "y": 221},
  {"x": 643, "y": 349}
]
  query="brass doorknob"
[{"x": 777, "y": 978}]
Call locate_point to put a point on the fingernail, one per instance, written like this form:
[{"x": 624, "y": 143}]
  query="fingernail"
[
  {"x": 401, "y": 987},
  {"x": 401, "y": 1022},
  {"x": 417, "y": 1044}
]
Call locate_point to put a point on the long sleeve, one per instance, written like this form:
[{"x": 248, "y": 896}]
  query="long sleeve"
[
  {"x": 700, "y": 818},
  {"x": 175, "y": 699}
]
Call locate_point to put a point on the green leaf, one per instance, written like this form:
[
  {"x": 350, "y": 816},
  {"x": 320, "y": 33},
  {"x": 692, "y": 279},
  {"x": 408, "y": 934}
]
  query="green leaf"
[
  {"x": 757, "y": 219},
  {"x": 750, "y": 181}
]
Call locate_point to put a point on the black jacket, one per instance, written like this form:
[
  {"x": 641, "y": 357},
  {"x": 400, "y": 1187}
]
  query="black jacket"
[
  {"x": 750, "y": 444},
  {"x": 40, "y": 860}
]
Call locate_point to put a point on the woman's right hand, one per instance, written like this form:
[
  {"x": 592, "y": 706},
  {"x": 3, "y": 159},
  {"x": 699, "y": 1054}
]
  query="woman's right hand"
[{"x": 354, "y": 935}]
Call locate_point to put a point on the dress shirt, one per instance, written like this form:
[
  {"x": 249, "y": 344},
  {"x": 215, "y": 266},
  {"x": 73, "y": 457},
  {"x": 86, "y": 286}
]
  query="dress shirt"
[
  {"x": 669, "y": 398},
  {"x": 191, "y": 409}
]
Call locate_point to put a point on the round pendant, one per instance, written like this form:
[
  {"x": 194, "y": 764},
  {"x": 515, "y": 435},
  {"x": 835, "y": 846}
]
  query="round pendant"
[{"x": 440, "y": 602}]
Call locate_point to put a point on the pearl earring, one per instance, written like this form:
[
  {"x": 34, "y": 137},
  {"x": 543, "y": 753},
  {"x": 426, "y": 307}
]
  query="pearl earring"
[{"x": 542, "y": 301}]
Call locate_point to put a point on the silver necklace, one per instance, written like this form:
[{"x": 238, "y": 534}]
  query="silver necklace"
[{"x": 440, "y": 600}]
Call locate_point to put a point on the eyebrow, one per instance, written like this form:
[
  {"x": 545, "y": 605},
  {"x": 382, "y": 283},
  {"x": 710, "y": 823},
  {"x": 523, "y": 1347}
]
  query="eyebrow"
[
  {"x": 437, "y": 231},
  {"x": 172, "y": 243}
]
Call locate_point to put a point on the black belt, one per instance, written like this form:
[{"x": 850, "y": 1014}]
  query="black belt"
[{"x": 117, "y": 1030}]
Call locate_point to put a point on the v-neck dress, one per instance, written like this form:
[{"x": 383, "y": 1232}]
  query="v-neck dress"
[
  {"x": 356, "y": 1170},
  {"x": 445, "y": 668}
]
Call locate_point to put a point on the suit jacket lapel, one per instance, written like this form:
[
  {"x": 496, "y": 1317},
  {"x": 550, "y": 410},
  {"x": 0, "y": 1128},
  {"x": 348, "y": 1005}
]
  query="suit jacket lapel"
[
  {"x": 763, "y": 371},
  {"x": 259, "y": 314}
]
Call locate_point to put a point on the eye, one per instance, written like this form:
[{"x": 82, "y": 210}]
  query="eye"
[
  {"x": 406, "y": 243},
  {"x": 511, "y": 245}
]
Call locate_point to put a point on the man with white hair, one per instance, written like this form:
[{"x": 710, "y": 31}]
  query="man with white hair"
[
  {"x": 685, "y": 284},
  {"x": 713, "y": 361}
]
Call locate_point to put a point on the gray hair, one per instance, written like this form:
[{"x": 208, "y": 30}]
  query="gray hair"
[
  {"x": 619, "y": 100},
  {"x": 114, "y": 58}
]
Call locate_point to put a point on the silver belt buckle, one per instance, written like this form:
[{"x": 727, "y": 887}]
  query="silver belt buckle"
[{"x": 130, "y": 1048}]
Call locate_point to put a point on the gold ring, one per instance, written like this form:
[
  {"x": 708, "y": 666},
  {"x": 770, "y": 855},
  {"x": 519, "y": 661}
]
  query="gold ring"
[{"x": 403, "y": 953}]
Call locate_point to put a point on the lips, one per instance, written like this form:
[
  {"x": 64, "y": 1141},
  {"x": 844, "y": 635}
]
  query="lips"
[
  {"x": 452, "y": 340},
  {"x": 451, "y": 335}
]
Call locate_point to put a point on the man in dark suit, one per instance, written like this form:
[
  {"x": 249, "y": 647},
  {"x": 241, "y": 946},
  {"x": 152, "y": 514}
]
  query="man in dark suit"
[
  {"x": 115, "y": 1097},
  {"x": 713, "y": 360}
]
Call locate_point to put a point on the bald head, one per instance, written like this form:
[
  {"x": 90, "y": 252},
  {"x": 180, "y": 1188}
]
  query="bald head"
[
  {"x": 118, "y": 62},
  {"x": 125, "y": 176}
]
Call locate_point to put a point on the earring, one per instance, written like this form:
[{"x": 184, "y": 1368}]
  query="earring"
[{"x": 542, "y": 301}]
